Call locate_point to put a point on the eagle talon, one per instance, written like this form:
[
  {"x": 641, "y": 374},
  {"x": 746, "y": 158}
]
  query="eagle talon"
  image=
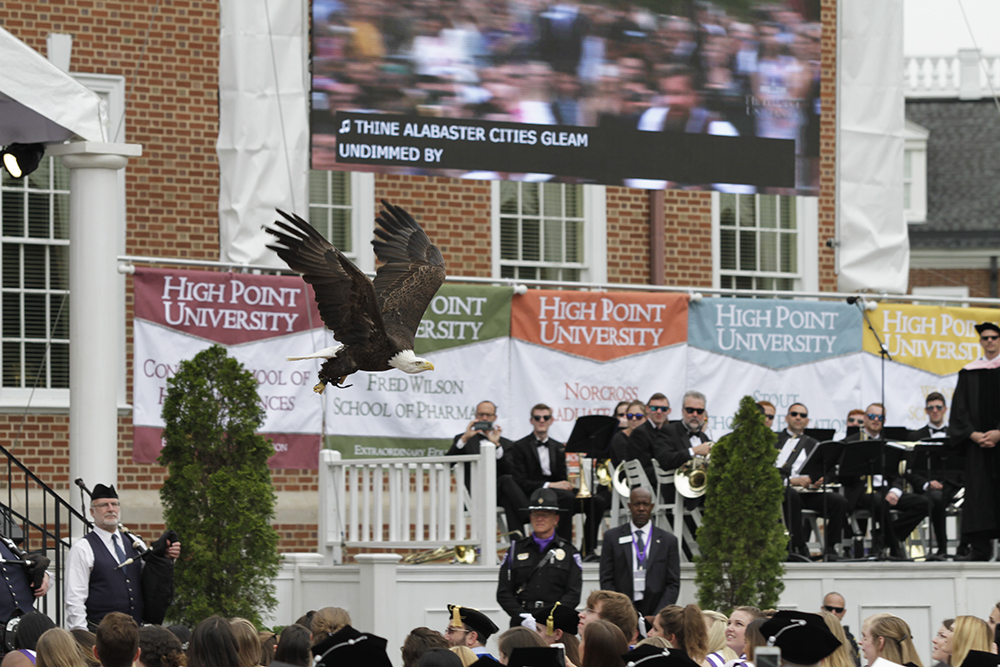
[{"x": 319, "y": 388}]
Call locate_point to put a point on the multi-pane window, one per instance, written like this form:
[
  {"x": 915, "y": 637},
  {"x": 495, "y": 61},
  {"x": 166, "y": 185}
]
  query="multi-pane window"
[
  {"x": 342, "y": 208},
  {"x": 330, "y": 208},
  {"x": 34, "y": 265},
  {"x": 759, "y": 242},
  {"x": 541, "y": 231}
]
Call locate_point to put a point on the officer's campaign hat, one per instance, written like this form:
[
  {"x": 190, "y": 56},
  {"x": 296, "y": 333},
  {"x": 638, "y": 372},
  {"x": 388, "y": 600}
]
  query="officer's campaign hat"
[
  {"x": 803, "y": 638},
  {"x": 543, "y": 500},
  {"x": 473, "y": 618}
]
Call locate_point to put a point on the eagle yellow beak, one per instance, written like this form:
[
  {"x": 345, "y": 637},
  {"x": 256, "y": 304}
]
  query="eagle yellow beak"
[{"x": 429, "y": 366}]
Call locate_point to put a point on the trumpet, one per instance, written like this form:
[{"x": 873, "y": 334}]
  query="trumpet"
[
  {"x": 460, "y": 553},
  {"x": 691, "y": 478}
]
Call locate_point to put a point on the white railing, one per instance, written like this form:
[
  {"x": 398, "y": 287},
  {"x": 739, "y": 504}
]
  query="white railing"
[
  {"x": 960, "y": 76},
  {"x": 407, "y": 503}
]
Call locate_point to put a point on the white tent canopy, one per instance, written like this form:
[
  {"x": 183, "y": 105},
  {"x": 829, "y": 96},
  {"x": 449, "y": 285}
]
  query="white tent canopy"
[{"x": 39, "y": 103}]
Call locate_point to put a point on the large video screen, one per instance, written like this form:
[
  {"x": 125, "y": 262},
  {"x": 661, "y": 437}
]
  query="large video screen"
[{"x": 654, "y": 94}]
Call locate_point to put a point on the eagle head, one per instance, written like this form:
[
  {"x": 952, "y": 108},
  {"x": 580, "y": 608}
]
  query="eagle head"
[{"x": 408, "y": 362}]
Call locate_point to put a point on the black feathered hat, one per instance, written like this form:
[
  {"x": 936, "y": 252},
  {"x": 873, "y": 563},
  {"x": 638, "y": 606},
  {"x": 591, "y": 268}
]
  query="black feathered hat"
[{"x": 101, "y": 491}]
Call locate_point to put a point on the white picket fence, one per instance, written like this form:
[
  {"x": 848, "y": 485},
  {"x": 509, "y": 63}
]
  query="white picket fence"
[{"x": 407, "y": 503}]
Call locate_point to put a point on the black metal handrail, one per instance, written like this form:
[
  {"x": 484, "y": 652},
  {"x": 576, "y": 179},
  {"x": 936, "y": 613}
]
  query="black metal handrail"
[{"x": 41, "y": 520}]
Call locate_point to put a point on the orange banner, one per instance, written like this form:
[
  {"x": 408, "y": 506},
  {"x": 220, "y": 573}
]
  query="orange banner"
[{"x": 600, "y": 325}]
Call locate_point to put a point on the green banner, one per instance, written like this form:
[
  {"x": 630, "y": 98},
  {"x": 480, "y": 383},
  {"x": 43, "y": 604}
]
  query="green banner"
[
  {"x": 464, "y": 314},
  {"x": 371, "y": 447}
]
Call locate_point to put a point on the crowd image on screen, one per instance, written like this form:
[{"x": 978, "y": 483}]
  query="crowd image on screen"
[{"x": 701, "y": 68}]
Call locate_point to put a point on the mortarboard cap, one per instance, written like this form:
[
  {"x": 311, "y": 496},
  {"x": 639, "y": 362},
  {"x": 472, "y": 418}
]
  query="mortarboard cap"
[
  {"x": 803, "y": 638},
  {"x": 473, "y": 618}
]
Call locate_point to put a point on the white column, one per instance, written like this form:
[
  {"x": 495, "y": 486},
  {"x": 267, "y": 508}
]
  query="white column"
[
  {"x": 377, "y": 577},
  {"x": 96, "y": 298},
  {"x": 968, "y": 75}
]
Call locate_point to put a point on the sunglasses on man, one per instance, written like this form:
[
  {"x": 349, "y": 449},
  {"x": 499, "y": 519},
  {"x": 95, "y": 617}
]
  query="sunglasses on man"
[
  {"x": 541, "y": 418},
  {"x": 833, "y": 610},
  {"x": 694, "y": 411},
  {"x": 876, "y": 418},
  {"x": 660, "y": 408},
  {"x": 632, "y": 416}
]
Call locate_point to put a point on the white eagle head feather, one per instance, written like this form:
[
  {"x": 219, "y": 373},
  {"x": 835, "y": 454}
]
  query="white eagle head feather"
[{"x": 408, "y": 362}]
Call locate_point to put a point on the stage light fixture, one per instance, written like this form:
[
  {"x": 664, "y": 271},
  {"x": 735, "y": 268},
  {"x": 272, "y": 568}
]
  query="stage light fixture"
[{"x": 21, "y": 159}]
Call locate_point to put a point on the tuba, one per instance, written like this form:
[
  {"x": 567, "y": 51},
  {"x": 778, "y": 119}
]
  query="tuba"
[{"x": 691, "y": 478}]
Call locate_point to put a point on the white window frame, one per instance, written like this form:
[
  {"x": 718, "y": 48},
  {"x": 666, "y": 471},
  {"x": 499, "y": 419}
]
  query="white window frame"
[
  {"x": 915, "y": 147},
  {"x": 362, "y": 187},
  {"x": 594, "y": 267},
  {"x": 807, "y": 220},
  {"x": 111, "y": 89}
]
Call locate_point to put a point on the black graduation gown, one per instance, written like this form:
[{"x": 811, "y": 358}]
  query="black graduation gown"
[{"x": 976, "y": 407}]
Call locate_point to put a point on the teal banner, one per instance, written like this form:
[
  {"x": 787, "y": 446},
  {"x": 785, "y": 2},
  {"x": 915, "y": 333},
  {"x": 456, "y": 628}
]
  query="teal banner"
[{"x": 776, "y": 333}]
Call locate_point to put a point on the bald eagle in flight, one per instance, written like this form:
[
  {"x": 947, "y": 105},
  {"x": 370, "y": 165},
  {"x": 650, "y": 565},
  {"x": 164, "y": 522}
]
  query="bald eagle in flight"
[{"x": 374, "y": 322}]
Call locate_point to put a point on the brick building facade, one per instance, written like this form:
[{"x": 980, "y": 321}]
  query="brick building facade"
[{"x": 172, "y": 196}]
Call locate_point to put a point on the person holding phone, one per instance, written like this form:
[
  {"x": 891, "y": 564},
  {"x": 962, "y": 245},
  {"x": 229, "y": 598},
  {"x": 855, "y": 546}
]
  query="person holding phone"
[{"x": 485, "y": 427}]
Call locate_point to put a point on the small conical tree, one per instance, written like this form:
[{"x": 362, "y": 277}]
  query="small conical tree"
[
  {"x": 219, "y": 496},
  {"x": 742, "y": 540}
]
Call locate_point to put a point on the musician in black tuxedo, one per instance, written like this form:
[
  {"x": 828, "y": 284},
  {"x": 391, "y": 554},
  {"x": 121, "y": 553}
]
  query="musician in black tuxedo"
[
  {"x": 650, "y": 435},
  {"x": 538, "y": 461},
  {"x": 886, "y": 494},
  {"x": 939, "y": 487},
  {"x": 794, "y": 449},
  {"x": 686, "y": 438},
  {"x": 653, "y": 563}
]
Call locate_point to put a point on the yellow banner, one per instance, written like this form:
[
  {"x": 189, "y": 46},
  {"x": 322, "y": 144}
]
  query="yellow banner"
[{"x": 933, "y": 338}]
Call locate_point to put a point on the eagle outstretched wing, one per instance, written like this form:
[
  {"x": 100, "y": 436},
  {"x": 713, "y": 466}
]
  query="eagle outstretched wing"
[
  {"x": 344, "y": 294},
  {"x": 412, "y": 271}
]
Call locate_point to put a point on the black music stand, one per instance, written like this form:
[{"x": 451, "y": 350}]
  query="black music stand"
[
  {"x": 822, "y": 463},
  {"x": 934, "y": 458},
  {"x": 862, "y": 458},
  {"x": 591, "y": 437},
  {"x": 820, "y": 434}
]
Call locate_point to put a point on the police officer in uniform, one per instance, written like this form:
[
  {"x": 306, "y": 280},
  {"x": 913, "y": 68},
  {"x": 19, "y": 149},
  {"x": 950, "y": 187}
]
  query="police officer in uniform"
[
  {"x": 540, "y": 569},
  {"x": 24, "y": 579}
]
